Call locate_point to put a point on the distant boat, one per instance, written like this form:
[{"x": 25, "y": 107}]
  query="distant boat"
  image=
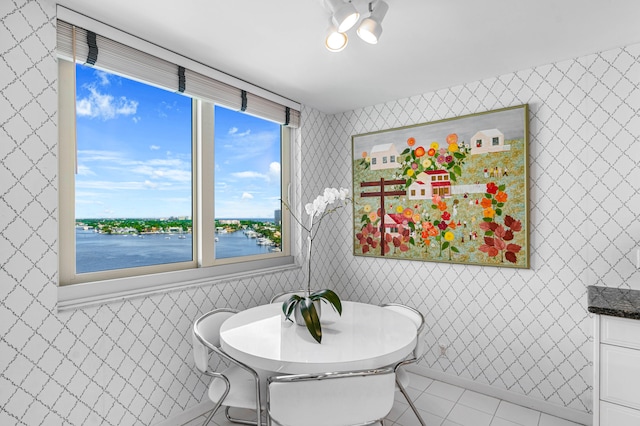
[
  {"x": 216, "y": 239},
  {"x": 264, "y": 242}
]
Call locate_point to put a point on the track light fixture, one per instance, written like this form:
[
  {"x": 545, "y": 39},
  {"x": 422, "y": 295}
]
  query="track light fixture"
[{"x": 344, "y": 16}]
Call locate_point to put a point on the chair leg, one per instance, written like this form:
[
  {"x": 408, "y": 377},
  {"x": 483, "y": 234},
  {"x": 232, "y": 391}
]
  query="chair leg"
[
  {"x": 213, "y": 412},
  {"x": 242, "y": 421},
  {"x": 413, "y": 407}
]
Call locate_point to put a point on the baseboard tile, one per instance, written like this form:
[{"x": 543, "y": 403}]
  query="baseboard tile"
[{"x": 515, "y": 398}]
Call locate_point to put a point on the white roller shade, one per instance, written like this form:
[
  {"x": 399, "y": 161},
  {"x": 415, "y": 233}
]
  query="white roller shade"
[
  {"x": 118, "y": 58},
  {"x": 270, "y": 110},
  {"x": 127, "y": 61},
  {"x": 203, "y": 87}
]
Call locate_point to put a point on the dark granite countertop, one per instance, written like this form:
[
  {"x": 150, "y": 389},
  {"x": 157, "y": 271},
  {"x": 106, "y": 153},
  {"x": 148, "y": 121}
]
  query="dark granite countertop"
[{"x": 614, "y": 302}]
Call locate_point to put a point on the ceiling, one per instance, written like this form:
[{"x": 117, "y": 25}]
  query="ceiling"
[{"x": 426, "y": 44}]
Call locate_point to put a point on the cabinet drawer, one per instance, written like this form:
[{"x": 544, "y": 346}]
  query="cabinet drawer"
[
  {"x": 616, "y": 415},
  {"x": 620, "y": 331},
  {"x": 620, "y": 375}
]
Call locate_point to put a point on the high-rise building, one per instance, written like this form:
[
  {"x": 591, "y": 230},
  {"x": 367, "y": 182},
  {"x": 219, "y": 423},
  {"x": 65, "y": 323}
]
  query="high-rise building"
[{"x": 278, "y": 217}]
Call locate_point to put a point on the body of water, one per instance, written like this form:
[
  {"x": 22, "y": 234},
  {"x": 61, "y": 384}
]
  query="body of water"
[{"x": 102, "y": 252}]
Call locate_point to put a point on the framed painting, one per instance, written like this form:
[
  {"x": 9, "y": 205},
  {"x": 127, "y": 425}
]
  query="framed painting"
[{"x": 452, "y": 191}]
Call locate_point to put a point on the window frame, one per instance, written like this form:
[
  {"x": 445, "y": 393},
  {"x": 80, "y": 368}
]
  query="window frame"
[{"x": 76, "y": 290}]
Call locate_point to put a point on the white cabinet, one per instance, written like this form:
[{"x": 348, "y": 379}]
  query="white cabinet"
[{"x": 617, "y": 372}]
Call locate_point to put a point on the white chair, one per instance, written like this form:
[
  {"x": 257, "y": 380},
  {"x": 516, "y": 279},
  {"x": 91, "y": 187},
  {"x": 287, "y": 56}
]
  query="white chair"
[
  {"x": 281, "y": 297},
  {"x": 236, "y": 386},
  {"x": 331, "y": 399},
  {"x": 402, "y": 378}
]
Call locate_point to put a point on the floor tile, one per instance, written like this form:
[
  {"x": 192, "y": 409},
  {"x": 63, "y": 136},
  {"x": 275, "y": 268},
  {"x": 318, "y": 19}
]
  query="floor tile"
[
  {"x": 518, "y": 414},
  {"x": 445, "y": 390},
  {"x": 434, "y": 404},
  {"x": 409, "y": 418},
  {"x": 467, "y": 416},
  {"x": 397, "y": 410},
  {"x": 479, "y": 401},
  {"x": 547, "y": 420},
  {"x": 497, "y": 421}
]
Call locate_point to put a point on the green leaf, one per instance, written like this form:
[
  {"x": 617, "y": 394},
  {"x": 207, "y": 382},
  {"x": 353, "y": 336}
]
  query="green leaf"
[
  {"x": 500, "y": 204},
  {"x": 364, "y": 218},
  {"x": 408, "y": 158},
  {"x": 433, "y": 206},
  {"x": 458, "y": 155},
  {"x": 499, "y": 212},
  {"x": 457, "y": 170},
  {"x": 311, "y": 319},
  {"x": 454, "y": 249},
  {"x": 487, "y": 195},
  {"x": 487, "y": 219},
  {"x": 452, "y": 176},
  {"x": 289, "y": 305},
  {"x": 502, "y": 187},
  {"x": 445, "y": 245},
  {"x": 412, "y": 241},
  {"x": 489, "y": 233},
  {"x": 406, "y": 151},
  {"x": 330, "y": 297},
  {"x": 412, "y": 226}
]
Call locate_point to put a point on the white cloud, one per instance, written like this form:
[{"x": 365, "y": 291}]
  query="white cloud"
[
  {"x": 247, "y": 196},
  {"x": 234, "y": 132},
  {"x": 154, "y": 147},
  {"x": 249, "y": 175},
  {"x": 103, "y": 77},
  {"x": 85, "y": 170},
  {"x": 104, "y": 106},
  {"x": 274, "y": 168}
]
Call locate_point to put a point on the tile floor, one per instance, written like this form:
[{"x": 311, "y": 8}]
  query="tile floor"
[{"x": 442, "y": 404}]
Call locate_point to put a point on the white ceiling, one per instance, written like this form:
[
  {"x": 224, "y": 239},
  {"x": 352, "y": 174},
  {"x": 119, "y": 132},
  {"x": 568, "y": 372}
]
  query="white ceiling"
[{"x": 426, "y": 44}]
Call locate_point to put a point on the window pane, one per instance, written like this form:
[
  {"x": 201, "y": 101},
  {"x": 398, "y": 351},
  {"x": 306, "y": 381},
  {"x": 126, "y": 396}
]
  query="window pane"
[
  {"x": 247, "y": 185},
  {"x": 133, "y": 187}
]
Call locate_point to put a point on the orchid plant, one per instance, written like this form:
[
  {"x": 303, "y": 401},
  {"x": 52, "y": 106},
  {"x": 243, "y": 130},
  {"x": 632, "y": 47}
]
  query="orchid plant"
[{"x": 324, "y": 204}]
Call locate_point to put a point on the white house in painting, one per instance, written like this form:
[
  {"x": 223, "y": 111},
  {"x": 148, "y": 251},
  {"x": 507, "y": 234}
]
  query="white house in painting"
[
  {"x": 490, "y": 140},
  {"x": 430, "y": 183},
  {"x": 384, "y": 157}
]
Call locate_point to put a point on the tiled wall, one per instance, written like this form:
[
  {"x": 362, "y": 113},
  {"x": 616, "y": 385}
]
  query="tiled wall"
[
  {"x": 122, "y": 363},
  {"x": 526, "y": 331}
]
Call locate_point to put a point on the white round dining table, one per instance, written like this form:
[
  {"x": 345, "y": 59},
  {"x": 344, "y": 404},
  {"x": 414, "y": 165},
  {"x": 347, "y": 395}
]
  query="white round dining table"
[{"x": 364, "y": 337}]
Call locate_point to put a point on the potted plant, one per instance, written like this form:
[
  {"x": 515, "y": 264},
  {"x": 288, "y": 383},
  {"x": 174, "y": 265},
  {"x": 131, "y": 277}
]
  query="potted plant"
[{"x": 305, "y": 306}]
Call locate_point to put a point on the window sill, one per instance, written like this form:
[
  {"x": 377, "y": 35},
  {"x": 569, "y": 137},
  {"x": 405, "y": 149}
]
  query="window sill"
[{"x": 83, "y": 295}]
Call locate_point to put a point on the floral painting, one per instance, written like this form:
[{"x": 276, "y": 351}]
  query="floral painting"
[{"x": 447, "y": 191}]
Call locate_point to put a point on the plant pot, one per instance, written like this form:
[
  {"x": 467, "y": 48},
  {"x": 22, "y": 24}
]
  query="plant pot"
[{"x": 297, "y": 315}]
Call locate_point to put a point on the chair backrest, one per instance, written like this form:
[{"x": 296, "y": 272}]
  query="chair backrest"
[
  {"x": 281, "y": 297},
  {"x": 331, "y": 399},
  {"x": 418, "y": 319},
  {"x": 206, "y": 335}
]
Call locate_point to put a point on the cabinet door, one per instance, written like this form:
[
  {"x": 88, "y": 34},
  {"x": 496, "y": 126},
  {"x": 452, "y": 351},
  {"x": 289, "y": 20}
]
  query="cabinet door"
[
  {"x": 616, "y": 415},
  {"x": 620, "y": 375}
]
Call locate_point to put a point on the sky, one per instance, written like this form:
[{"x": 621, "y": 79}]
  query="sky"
[{"x": 134, "y": 153}]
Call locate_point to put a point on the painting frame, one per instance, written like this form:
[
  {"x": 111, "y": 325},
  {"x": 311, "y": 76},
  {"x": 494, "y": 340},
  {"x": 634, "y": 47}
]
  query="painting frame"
[{"x": 452, "y": 190}]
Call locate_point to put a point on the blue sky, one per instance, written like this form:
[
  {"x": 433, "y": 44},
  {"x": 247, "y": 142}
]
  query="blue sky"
[{"x": 134, "y": 153}]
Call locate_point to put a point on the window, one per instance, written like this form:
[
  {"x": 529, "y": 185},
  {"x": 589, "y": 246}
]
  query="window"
[
  {"x": 157, "y": 181},
  {"x": 374, "y": 160},
  {"x": 413, "y": 192},
  {"x": 495, "y": 141},
  {"x": 393, "y": 158},
  {"x": 384, "y": 160},
  {"x": 478, "y": 143}
]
